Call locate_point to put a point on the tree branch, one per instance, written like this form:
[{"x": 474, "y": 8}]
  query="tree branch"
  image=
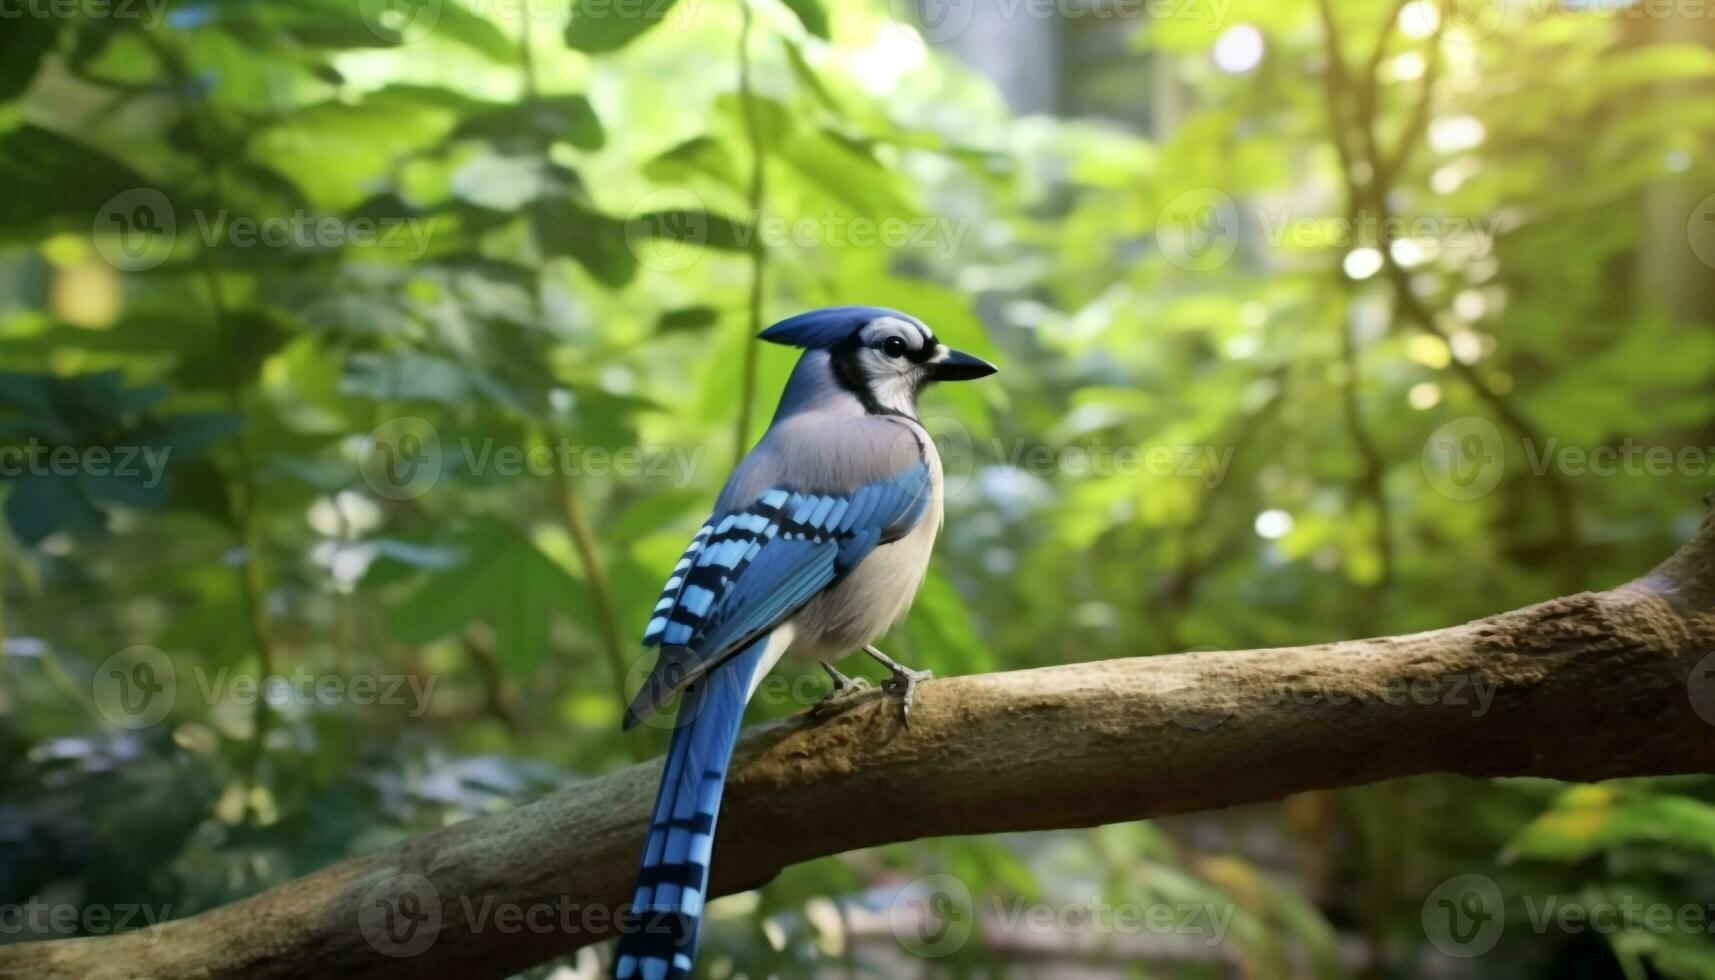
[{"x": 1589, "y": 686}]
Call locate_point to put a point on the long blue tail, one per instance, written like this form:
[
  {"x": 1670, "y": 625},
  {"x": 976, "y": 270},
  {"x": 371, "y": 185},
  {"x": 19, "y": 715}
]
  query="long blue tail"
[{"x": 660, "y": 941}]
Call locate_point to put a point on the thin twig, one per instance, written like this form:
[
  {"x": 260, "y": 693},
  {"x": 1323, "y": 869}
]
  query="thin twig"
[
  {"x": 4, "y": 540},
  {"x": 241, "y": 491},
  {"x": 1175, "y": 595},
  {"x": 1419, "y": 121},
  {"x": 1384, "y": 169},
  {"x": 589, "y": 553},
  {"x": 564, "y": 493},
  {"x": 495, "y": 702},
  {"x": 1369, "y": 482},
  {"x": 758, "y": 251}
]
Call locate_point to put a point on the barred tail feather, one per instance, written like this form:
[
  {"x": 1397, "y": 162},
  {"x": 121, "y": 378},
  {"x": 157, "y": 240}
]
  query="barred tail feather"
[{"x": 660, "y": 941}]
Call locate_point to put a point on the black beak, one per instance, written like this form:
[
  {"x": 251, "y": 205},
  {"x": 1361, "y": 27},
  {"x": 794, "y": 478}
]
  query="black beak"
[{"x": 957, "y": 365}]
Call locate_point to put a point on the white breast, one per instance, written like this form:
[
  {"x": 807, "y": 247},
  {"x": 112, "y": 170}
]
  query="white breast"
[{"x": 876, "y": 594}]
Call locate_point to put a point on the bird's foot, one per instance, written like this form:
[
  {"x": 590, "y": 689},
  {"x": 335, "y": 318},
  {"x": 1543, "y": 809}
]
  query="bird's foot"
[
  {"x": 844, "y": 688},
  {"x": 902, "y": 681}
]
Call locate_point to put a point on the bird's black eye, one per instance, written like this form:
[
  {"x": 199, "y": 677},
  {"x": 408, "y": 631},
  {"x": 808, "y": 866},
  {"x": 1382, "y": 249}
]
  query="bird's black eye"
[{"x": 893, "y": 347}]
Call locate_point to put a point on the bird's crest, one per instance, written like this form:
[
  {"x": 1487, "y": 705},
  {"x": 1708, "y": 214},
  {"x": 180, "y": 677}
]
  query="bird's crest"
[{"x": 828, "y": 326}]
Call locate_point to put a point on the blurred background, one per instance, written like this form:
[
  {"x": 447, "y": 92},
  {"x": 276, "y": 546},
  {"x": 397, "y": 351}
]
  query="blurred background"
[{"x": 365, "y": 365}]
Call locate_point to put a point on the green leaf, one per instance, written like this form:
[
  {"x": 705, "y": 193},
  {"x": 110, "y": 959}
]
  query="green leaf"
[
  {"x": 691, "y": 228},
  {"x": 502, "y": 579},
  {"x": 600, "y": 26},
  {"x": 811, "y": 14},
  {"x": 334, "y": 151},
  {"x": 702, "y": 156},
  {"x": 40, "y": 504},
  {"x": 22, "y": 46},
  {"x": 598, "y": 243},
  {"x": 57, "y": 182},
  {"x": 687, "y": 319},
  {"x": 809, "y": 79},
  {"x": 216, "y": 361},
  {"x": 1585, "y": 820},
  {"x": 565, "y": 117},
  {"x": 412, "y": 375},
  {"x": 474, "y": 31}
]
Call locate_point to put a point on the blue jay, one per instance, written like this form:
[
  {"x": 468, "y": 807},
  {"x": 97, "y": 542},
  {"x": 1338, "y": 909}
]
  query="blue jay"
[{"x": 816, "y": 547}]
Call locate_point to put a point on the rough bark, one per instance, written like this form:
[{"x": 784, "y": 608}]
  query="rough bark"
[{"x": 1584, "y": 687}]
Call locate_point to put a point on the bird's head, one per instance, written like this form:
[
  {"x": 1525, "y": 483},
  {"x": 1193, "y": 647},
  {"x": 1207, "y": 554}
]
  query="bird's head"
[{"x": 882, "y": 356}]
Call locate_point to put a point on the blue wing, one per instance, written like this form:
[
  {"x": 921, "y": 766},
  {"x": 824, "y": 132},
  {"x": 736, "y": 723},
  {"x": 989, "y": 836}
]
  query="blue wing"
[
  {"x": 750, "y": 569},
  {"x": 675, "y": 585}
]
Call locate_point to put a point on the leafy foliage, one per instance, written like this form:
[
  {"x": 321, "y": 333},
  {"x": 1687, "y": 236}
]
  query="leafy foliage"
[{"x": 437, "y": 321}]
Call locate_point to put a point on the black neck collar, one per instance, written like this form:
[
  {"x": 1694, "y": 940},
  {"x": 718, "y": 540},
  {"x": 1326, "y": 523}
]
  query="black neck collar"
[{"x": 842, "y": 361}]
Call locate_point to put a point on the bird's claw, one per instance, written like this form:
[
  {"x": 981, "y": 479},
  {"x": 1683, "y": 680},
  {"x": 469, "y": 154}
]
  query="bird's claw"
[
  {"x": 902, "y": 680},
  {"x": 844, "y": 688}
]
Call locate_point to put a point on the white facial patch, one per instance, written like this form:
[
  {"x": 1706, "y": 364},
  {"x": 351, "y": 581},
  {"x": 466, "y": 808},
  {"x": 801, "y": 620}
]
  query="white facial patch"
[
  {"x": 890, "y": 362},
  {"x": 896, "y": 393},
  {"x": 881, "y": 328}
]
